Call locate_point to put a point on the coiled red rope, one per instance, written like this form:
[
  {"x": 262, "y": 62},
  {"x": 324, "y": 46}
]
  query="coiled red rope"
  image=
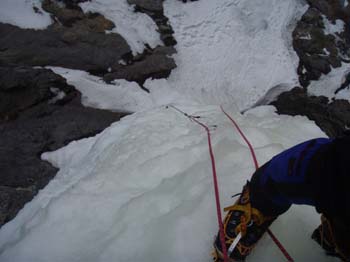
[{"x": 273, "y": 237}]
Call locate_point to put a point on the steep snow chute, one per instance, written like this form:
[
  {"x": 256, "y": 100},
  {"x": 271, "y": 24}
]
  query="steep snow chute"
[{"x": 145, "y": 183}]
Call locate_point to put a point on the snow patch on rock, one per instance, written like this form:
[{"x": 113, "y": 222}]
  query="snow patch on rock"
[
  {"x": 136, "y": 28},
  {"x": 328, "y": 84},
  {"x": 333, "y": 28},
  {"x": 24, "y": 14}
]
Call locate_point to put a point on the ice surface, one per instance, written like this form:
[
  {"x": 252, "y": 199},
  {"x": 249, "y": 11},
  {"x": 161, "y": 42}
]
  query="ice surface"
[
  {"x": 22, "y": 14},
  {"x": 137, "y": 29},
  {"x": 142, "y": 191}
]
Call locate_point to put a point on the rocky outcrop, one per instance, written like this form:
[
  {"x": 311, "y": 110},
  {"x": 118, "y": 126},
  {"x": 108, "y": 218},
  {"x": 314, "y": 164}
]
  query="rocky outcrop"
[
  {"x": 318, "y": 49},
  {"x": 78, "y": 41},
  {"x": 156, "y": 64},
  {"x": 24, "y": 87},
  {"x": 72, "y": 15},
  {"x": 333, "y": 118},
  {"x": 153, "y": 63},
  {"x": 333, "y": 9},
  {"x": 39, "y": 113},
  {"x": 74, "y": 48},
  {"x": 154, "y": 8}
]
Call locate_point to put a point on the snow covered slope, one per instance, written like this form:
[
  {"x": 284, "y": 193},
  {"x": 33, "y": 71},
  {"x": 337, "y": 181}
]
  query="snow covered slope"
[
  {"x": 142, "y": 191},
  {"x": 233, "y": 50}
]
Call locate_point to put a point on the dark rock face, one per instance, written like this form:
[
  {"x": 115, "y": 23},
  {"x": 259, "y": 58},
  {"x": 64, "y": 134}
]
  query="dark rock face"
[
  {"x": 318, "y": 51},
  {"x": 154, "y": 65},
  {"x": 12, "y": 200},
  {"x": 334, "y": 9},
  {"x": 72, "y": 48},
  {"x": 73, "y": 15},
  {"x": 154, "y": 8},
  {"x": 67, "y": 16},
  {"x": 332, "y": 118},
  {"x": 36, "y": 119},
  {"x": 78, "y": 41},
  {"x": 149, "y": 5},
  {"x": 24, "y": 87}
]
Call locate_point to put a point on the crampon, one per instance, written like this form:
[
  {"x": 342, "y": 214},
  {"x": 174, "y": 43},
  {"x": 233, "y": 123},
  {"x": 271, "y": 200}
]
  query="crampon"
[
  {"x": 244, "y": 225},
  {"x": 324, "y": 236}
]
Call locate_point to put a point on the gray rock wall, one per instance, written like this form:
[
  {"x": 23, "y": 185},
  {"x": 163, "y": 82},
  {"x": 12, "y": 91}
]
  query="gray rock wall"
[{"x": 39, "y": 112}]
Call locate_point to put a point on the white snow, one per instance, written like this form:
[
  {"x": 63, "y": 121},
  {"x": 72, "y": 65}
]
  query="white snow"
[
  {"x": 306, "y": 37},
  {"x": 333, "y": 28},
  {"x": 327, "y": 84},
  {"x": 22, "y": 14},
  {"x": 232, "y": 50},
  {"x": 122, "y": 95},
  {"x": 142, "y": 191},
  {"x": 136, "y": 28},
  {"x": 58, "y": 95},
  {"x": 343, "y": 94},
  {"x": 327, "y": 53},
  {"x": 228, "y": 51}
]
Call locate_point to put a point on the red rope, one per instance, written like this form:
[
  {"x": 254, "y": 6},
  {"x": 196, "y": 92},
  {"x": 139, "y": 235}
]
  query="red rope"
[
  {"x": 216, "y": 187},
  {"x": 244, "y": 137},
  {"x": 280, "y": 246},
  {"x": 274, "y": 238}
]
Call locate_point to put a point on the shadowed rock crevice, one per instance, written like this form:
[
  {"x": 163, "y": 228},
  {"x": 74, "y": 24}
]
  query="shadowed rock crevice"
[
  {"x": 39, "y": 112},
  {"x": 333, "y": 118}
]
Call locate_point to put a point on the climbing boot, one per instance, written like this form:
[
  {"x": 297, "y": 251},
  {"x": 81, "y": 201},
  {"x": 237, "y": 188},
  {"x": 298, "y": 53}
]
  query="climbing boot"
[{"x": 244, "y": 225}]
